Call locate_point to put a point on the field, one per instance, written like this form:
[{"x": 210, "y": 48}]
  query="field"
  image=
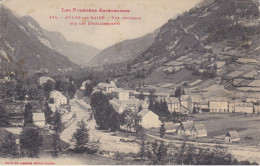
[
  {"x": 68, "y": 158},
  {"x": 217, "y": 125}
]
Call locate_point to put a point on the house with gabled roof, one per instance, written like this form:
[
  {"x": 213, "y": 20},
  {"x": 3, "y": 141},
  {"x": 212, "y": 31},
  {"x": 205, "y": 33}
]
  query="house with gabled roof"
[
  {"x": 232, "y": 136},
  {"x": 184, "y": 128},
  {"x": 198, "y": 130},
  {"x": 149, "y": 118},
  {"x": 171, "y": 127}
]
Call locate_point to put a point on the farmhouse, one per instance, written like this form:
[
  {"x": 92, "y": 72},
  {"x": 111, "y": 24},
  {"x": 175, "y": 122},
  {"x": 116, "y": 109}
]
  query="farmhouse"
[
  {"x": 173, "y": 104},
  {"x": 232, "y": 136},
  {"x": 171, "y": 127},
  {"x": 149, "y": 119},
  {"x": 184, "y": 128},
  {"x": 198, "y": 130},
  {"x": 58, "y": 98},
  {"x": 39, "y": 119}
]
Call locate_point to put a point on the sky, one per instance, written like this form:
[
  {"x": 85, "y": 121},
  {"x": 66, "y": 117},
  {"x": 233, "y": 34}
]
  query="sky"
[{"x": 153, "y": 13}]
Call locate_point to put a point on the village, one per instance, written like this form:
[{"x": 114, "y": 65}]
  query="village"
[{"x": 181, "y": 115}]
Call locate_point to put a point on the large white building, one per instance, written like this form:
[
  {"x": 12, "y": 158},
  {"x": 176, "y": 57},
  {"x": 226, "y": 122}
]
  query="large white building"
[{"x": 58, "y": 98}]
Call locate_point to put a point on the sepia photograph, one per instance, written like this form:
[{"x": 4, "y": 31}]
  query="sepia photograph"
[{"x": 129, "y": 82}]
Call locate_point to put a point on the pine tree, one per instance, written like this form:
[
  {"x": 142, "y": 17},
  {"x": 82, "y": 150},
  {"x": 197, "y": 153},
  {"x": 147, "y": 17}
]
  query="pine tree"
[
  {"x": 28, "y": 116},
  {"x": 57, "y": 128},
  {"x": 81, "y": 137},
  {"x": 158, "y": 154},
  {"x": 30, "y": 142}
]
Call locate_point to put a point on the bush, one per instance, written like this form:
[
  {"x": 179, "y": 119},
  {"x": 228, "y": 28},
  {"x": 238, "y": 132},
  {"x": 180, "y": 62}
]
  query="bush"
[{"x": 93, "y": 147}]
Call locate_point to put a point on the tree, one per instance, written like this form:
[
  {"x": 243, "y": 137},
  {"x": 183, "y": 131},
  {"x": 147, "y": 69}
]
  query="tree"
[
  {"x": 162, "y": 131},
  {"x": 152, "y": 100},
  {"x": 48, "y": 113},
  {"x": 57, "y": 128},
  {"x": 81, "y": 137},
  {"x": 131, "y": 119},
  {"x": 30, "y": 142},
  {"x": 158, "y": 153},
  {"x": 115, "y": 123},
  {"x": 161, "y": 109},
  {"x": 103, "y": 110},
  {"x": 28, "y": 116},
  {"x": 4, "y": 118},
  {"x": 177, "y": 92},
  {"x": 141, "y": 135},
  {"x": 48, "y": 87},
  {"x": 9, "y": 147},
  {"x": 89, "y": 89},
  {"x": 141, "y": 96},
  {"x": 191, "y": 155}
]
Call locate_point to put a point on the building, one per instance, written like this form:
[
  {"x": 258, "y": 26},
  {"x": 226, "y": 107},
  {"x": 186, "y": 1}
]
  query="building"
[
  {"x": 196, "y": 101},
  {"x": 120, "y": 94},
  {"x": 218, "y": 105},
  {"x": 16, "y": 120},
  {"x": 161, "y": 95},
  {"x": 171, "y": 127},
  {"x": 232, "y": 136},
  {"x": 231, "y": 106},
  {"x": 106, "y": 87},
  {"x": 118, "y": 105},
  {"x": 39, "y": 119},
  {"x": 131, "y": 104},
  {"x": 173, "y": 104},
  {"x": 149, "y": 118},
  {"x": 244, "y": 107},
  {"x": 58, "y": 98},
  {"x": 184, "y": 128},
  {"x": 186, "y": 102},
  {"x": 198, "y": 130},
  {"x": 257, "y": 108},
  {"x": 204, "y": 105}
]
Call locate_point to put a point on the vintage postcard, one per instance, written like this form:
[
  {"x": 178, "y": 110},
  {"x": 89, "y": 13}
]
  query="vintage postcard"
[{"x": 129, "y": 82}]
